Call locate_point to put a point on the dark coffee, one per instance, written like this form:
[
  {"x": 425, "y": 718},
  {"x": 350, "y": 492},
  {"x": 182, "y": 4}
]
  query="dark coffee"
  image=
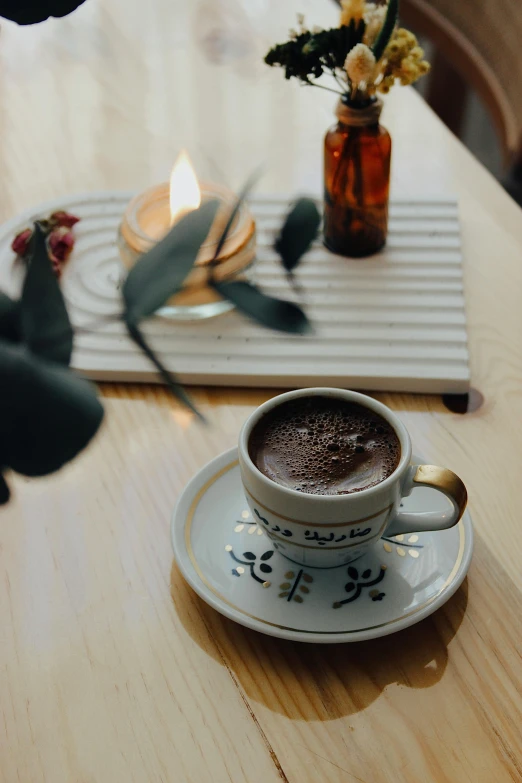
[{"x": 324, "y": 446}]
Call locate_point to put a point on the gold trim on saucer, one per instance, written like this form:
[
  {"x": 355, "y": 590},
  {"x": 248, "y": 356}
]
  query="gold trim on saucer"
[{"x": 188, "y": 543}]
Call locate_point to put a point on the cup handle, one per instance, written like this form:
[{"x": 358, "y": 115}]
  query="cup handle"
[{"x": 446, "y": 482}]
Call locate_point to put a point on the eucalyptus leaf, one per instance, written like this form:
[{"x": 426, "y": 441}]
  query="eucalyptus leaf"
[
  {"x": 160, "y": 272},
  {"x": 266, "y": 310},
  {"x": 48, "y": 414},
  {"x": 33, "y": 11},
  {"x": 169, "y": 378},
  {"x": 245, "y": 190},
  {"x": 9, "y": 318},
  {"x": 45, "y": 325},
  {"x": 298, "y": 232},
  {"x": 5, "y": 493}
]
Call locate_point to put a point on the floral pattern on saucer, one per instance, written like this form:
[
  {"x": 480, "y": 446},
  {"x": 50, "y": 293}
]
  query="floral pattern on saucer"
[{"x": 226, "y": 557}]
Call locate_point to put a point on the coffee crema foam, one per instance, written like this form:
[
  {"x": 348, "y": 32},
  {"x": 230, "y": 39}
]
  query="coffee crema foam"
[{"x": 324, "y": 446}]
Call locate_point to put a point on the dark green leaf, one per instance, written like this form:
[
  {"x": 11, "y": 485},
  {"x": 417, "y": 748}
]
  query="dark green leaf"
[
  {"x": 387, "y": 29},
  {"x": 265, "y": 568},
  {"x": 245, "y": 190},
  {"x": 167, "y": 377},
  {"x": 33, "y": 11},
  {"x": 367, "y": 574},
  {"x": 267, "y": 311},
  {"x": 160, "y": 273},
  {"x": 299, "y": 231},
  {"x": 249, "y": 555},
  {"x": 349, "y": 587},
  {"x": 267, "y": 555},
  {"x": 47, "y": 414},
  {"x": 45, "y": 325},
  {"x": 5, "y": 493},
  {"x": 9, "y": 319},
  {"x": 353, "y": 573}
]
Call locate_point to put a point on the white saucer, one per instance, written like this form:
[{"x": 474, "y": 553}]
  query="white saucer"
[{"x": 232, "y": 565}]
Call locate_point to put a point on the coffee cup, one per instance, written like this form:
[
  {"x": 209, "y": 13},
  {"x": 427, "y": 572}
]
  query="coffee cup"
[{"x": 329, "y": 530}]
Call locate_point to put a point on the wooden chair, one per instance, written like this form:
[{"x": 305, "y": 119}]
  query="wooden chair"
[{"x": 479, "y": 44}]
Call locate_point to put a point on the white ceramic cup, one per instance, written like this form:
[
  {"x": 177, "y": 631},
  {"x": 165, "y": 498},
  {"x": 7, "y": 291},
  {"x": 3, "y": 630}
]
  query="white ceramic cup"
[{"x": 326, "y": 531}]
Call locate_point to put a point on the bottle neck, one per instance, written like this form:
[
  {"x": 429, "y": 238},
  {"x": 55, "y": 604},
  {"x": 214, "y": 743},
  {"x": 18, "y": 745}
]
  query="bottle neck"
[{"x": 359, "y": 117}]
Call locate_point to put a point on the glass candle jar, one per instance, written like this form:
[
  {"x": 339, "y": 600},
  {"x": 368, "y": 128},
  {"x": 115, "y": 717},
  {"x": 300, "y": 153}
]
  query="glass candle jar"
[
  {"x": 357, "y": 156},
  {"x": 147, "y": 219}
]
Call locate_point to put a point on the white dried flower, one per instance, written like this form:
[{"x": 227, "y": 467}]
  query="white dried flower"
[
  {"x": 316, "y": 29},
  {"x": 292, "y": 34},
  {"x": 374, "y": 18},
  {"x": 359, "y": 64},
  {"x": 300, "y": 19}
]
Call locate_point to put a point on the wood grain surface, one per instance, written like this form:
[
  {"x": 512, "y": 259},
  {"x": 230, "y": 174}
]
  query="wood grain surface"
[{"x": 112, "y": 670}]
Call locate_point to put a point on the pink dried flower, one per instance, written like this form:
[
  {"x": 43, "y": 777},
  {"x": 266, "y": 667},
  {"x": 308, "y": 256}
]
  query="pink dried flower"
[
  {"x": 62, "y": 218},
  {"x": 60, "y": 243},
  {"x": 20, "y": 243}
]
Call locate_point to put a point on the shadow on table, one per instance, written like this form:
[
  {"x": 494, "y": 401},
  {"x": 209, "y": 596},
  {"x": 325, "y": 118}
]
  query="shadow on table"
[
  {"x": 316, "y": 681},
  {"x": 470, "y": 403}
]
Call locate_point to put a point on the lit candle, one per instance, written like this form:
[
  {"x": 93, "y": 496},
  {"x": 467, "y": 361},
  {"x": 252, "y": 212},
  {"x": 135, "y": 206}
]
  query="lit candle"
[
  {"x": 150, "y": 215},
  {"x": 185, "y": 194}
]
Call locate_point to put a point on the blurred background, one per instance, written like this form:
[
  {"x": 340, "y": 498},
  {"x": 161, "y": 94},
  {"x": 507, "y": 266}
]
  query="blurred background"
[{"x": 475, "y": 86}]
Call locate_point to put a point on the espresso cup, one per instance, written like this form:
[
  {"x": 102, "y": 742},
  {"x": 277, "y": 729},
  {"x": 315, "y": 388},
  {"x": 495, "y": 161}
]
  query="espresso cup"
[{"x": 326, "y": 531}]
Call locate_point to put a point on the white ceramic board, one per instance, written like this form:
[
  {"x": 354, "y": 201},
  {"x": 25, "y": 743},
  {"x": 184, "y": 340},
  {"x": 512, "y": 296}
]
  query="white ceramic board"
[{"x": 393, "y": 322}]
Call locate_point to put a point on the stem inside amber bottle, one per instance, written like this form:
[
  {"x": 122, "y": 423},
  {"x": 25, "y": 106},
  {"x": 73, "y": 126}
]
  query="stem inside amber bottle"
[{"x": 356, "y": 188}]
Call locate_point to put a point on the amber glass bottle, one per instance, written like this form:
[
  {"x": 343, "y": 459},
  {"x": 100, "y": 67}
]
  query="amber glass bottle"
[{"x": 356, "y": 181}]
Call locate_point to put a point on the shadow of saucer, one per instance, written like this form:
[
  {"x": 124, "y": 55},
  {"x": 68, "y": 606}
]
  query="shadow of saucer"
[{"x": 321, "y": 681}]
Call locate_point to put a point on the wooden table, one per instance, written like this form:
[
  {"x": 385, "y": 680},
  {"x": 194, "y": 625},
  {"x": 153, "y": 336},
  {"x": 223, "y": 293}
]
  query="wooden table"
[{"x": 112, "y": 669}]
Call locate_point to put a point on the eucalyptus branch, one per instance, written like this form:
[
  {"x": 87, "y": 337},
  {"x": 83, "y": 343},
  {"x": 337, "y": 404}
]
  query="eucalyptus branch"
[
  {"x": 167, "y": 377},
  {"x": 249, "y": 184}
]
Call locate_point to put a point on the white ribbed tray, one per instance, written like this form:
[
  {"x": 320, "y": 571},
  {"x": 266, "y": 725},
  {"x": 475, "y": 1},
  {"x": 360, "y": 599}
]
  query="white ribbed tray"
[{"x": 395, "y": 322}]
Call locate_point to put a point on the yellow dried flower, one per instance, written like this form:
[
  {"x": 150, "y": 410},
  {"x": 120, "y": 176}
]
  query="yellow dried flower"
[
  {"x": 351, "y": 9},
  {"x": 359, "y": 64},
  {"x": 402, "y": 61}
]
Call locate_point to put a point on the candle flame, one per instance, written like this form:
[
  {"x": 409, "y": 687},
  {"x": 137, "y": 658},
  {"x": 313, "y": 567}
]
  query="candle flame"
[{"x": 185, "y": 194}]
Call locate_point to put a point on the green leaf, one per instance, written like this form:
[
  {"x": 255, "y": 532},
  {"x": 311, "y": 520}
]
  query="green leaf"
[
  {"x": 45, "y": 325},
  {"x": 267, "y": 311},
  {"x": 390, "y": 20},
  {"x": 299, "y": 231},
  {"x": 5, "y": 493},
  {"x": 245, "y": 190},
  {"x": 169, "y": 378},
  {"x": 9, "y": 318},
  {"x": 33, "y": 11},
  {"x": 47, "y": 414},
  {"x": 160, "y": 273}
]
